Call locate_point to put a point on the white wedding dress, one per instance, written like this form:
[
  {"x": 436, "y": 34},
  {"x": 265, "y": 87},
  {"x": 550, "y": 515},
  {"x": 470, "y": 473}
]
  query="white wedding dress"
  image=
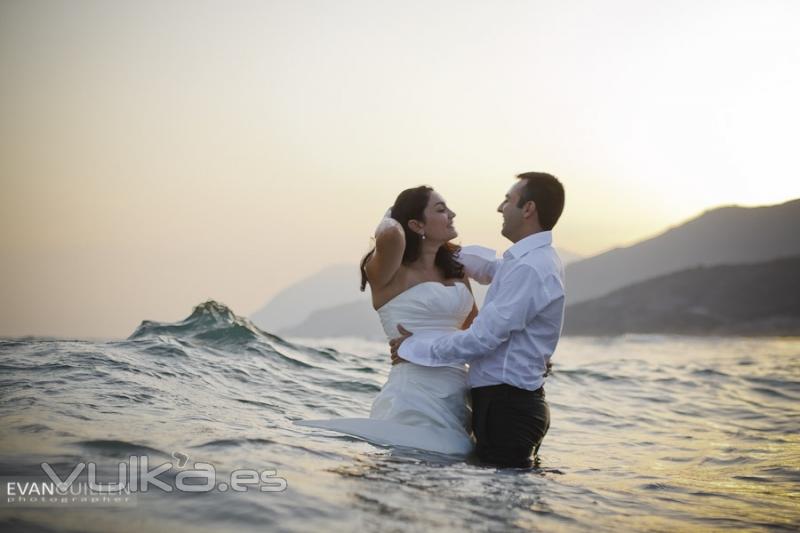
[{"x": 419, "y": 407}]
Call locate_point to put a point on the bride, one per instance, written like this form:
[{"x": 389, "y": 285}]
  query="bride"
[{"x": 416, "y": 280}]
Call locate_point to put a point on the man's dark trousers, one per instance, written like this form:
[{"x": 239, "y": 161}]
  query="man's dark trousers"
[{"x": 509, "y": 424}]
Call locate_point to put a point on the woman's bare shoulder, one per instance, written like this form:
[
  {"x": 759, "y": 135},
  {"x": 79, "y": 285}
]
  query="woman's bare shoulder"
[{"x": 399, "y": 283}]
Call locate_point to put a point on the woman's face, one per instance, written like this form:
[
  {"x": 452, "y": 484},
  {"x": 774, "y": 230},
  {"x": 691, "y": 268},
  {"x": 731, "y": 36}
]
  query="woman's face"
[{"x": 438, "y": 225}]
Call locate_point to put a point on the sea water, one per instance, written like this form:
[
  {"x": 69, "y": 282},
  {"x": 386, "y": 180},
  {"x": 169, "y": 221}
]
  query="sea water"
[{"x": 648, "y": 432}]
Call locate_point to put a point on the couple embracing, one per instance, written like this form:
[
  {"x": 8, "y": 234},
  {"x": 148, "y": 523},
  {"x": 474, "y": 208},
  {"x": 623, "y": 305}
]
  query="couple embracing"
[{"x": 463, "y": 380}]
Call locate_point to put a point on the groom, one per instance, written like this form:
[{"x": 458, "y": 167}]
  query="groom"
[{"x": 510, "y": 343}]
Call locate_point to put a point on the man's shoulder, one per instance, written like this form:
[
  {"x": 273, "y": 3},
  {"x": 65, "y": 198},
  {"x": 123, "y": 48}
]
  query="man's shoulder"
[
  {"x": 540, "y": 270},
  {"x": 544, "y": 260}
]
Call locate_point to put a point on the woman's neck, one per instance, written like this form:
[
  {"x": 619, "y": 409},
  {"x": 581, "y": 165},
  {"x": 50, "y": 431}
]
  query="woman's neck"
[{"x": 426, "y": 261}]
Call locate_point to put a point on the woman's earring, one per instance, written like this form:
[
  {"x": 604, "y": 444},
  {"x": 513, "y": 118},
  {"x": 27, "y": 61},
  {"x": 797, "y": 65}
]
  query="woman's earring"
[{"x": 423, "y": 236}]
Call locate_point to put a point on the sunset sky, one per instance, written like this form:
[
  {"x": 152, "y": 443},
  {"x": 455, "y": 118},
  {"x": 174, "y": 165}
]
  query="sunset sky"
[{"x": 155, "y": 154}]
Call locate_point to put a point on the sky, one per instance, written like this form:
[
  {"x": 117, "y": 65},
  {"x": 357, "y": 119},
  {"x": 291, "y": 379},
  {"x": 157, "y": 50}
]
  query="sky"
[{"x": 157, "y": 154}]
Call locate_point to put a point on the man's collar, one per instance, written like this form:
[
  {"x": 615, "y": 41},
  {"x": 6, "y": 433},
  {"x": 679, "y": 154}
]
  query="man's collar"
[{"x": 531, "y": 242}]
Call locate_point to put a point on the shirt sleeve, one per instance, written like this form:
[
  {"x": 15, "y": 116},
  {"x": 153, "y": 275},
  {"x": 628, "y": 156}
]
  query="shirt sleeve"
[
  {"x": 480, "y": 263},
  {"x": 520, "y": 297}
]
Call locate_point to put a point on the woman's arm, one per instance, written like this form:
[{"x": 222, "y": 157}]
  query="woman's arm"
[
  {"x": 474, "y": 311},
  {"x": 390, "y": 243}
]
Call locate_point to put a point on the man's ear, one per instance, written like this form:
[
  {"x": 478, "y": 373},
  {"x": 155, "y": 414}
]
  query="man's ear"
[{"x": 529, "y": 209}]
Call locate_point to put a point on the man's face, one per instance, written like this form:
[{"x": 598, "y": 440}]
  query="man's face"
[{"x": 512, "y": 215}]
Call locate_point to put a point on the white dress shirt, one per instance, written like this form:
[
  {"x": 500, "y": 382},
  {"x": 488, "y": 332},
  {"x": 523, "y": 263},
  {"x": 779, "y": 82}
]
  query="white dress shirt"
[{"x": 517, "y": 330}]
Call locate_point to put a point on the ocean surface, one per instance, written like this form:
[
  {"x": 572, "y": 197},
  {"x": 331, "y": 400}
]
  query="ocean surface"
[{"x": 648, "y": 432}]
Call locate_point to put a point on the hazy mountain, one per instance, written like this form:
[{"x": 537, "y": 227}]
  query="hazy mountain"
[
  {"x": 354, "y": 319},
  {"x": 753, "y": 299},
  {"x": 334, "y": 286},
  {"x": 727, "y": 235}
]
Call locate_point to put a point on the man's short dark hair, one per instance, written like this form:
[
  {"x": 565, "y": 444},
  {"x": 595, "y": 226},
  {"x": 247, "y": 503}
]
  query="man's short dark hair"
[{"x": 547, "y": 193}]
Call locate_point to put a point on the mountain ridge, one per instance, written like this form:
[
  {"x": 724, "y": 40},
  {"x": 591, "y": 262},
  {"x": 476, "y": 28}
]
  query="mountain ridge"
[
  {"x": 742, "y": 299},
  {"x": 724, "y": 235}
]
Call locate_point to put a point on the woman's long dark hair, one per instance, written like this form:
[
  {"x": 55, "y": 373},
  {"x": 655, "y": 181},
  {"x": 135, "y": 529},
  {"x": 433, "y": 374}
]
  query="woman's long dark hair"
[{"x": 410, "y": 205}]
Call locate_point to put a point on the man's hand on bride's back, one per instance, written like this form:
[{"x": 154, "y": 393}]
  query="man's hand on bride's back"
[{"x": 395, "y": 343}]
